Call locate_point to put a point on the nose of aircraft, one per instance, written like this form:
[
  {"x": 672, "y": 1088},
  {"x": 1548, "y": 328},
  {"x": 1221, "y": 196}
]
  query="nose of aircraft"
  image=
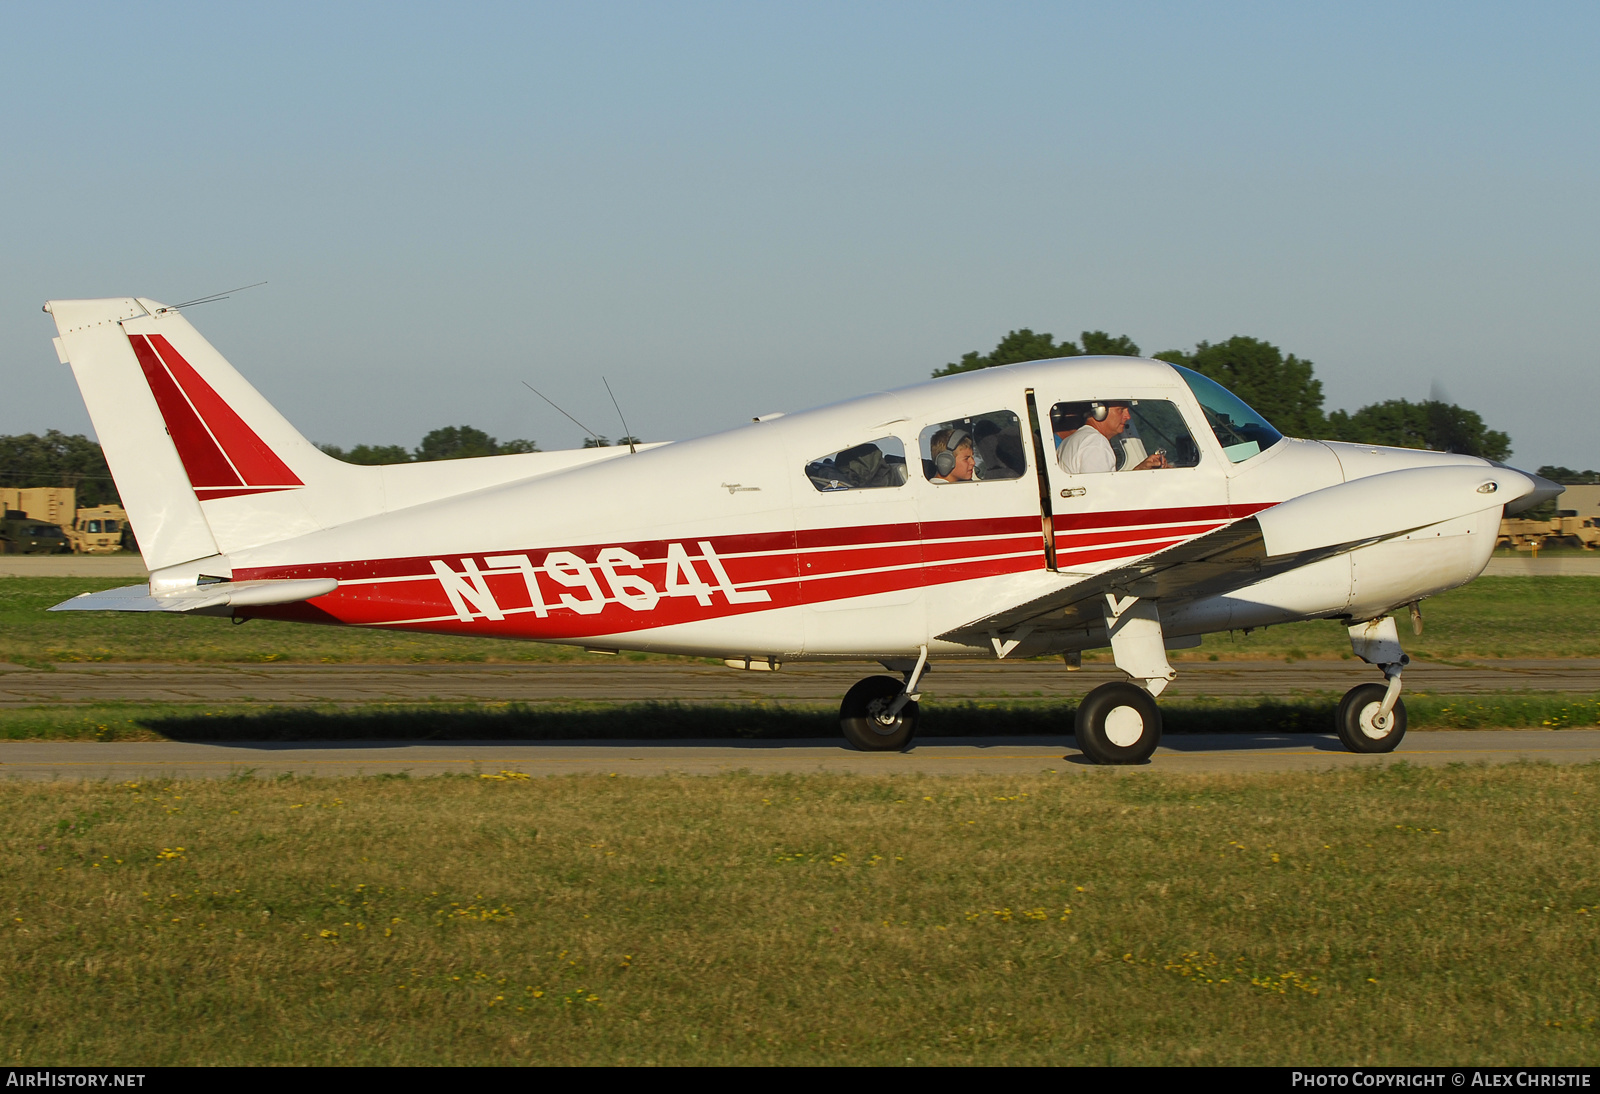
[{"x": 1543, "y": 490}]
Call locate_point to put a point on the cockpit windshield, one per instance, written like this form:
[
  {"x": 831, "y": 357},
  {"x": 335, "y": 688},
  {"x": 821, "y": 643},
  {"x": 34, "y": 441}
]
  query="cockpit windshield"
[{"x": 1241, "y": 431}]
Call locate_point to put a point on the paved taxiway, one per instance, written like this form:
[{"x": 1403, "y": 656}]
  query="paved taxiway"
[
  {"x": 1219, "y": 753},
  {"x": 696, "y": 682}
]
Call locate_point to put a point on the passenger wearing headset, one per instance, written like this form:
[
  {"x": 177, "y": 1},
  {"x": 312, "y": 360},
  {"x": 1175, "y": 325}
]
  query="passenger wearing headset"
[
  {"x": 1088, "y": 450},
  {"x": 953, "y": 456}
]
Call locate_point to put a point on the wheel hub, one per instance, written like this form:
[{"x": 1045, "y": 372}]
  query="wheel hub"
[
  {"x": 1124, "y": 726},
  {"x": 1370, "y": 726}
]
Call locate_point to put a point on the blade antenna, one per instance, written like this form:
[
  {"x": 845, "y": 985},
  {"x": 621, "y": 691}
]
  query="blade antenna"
[
  {"x": 587, "y": 432},
  {"x": 626, "y": 432},
  {"x": 209, "y": 299}
]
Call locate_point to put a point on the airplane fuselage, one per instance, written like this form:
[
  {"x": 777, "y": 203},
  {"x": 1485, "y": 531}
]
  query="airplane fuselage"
[{"x": 723, "y": 546}]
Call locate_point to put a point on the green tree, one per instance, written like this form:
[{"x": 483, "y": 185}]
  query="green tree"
[
  {"x": 1100, "y": 344},
  {"x": 1280, "y": 387},
  {"x": 369, "y": 454},
  {"x": 57, "y": 459},
  {"x": 1440, "y": 426},
  {"x": 460, "y": 442},
  {"x": 1025, "y": 345},
  {"x": 1566, "y": 476}
]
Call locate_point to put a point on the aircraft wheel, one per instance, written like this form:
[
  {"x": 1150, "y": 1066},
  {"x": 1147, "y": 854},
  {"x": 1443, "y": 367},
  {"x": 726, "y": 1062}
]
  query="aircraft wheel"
[
  {"x": 862, "y": 717},
  {"x": 1357, "y": 713},
  {"x": 1118, "y": 724}
]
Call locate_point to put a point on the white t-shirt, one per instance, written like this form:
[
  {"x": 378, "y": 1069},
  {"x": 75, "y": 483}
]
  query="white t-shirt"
[{"x": 1086, "y": 451}]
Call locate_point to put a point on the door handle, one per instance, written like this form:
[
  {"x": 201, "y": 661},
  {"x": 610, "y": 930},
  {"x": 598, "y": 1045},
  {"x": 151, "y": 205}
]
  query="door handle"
[{"x": 1074, "y": 492}]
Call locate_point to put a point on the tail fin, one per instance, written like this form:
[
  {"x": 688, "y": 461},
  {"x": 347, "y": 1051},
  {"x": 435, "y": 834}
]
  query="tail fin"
[
  {"x": 180, "y": 427},
  {"x": 206, "y": 467}
]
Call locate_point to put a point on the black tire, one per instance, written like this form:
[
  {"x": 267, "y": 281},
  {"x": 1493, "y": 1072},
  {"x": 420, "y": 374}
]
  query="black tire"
[
  {"x": 861, "y": 716},
  {"x": 1118, "y": 724},
  {"x": 1353, "y": 720}
]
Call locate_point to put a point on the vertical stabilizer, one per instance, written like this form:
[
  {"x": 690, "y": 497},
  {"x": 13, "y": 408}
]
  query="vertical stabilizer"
[
  {"x": 205, "y": 465},
  {"x": 161, "y": 505}
]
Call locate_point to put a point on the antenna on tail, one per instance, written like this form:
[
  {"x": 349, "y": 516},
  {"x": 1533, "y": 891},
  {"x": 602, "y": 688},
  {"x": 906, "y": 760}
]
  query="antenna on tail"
[{"x": 208, "y": 299}]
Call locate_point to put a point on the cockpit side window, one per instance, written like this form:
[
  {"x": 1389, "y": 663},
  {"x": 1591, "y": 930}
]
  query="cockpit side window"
[
  {"x": 983, "y": 448},
  {"x": 874, "y": 465},
  {"x": 1121, "y": 435},
  {"x": 1241, "y": 431}
]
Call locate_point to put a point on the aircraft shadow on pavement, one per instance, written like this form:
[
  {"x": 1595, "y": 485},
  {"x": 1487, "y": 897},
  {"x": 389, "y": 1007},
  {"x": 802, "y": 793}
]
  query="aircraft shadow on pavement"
[{"x": 1272, "y": 724}]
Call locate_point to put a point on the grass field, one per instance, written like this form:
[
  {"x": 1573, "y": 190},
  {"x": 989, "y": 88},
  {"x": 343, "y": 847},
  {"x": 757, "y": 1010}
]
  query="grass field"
[
  {"x": 734, "y": 721},
  {"x": 1492, "y": 617},
  {"x": 1383, "y": 916}
]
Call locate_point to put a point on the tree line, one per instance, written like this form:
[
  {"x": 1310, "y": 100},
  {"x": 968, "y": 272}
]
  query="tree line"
[
  {"x": 452, "y": 442},
  {"x": 1281, "y": 387}
]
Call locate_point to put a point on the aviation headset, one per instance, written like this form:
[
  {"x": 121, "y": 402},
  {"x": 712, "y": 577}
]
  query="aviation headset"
[
  {"x": 1098, "y": 411},
  {"x": 945, "y": 462}
]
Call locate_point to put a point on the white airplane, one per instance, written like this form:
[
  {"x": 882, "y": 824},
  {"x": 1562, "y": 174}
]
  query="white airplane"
[{"x": 969, "y": 516}]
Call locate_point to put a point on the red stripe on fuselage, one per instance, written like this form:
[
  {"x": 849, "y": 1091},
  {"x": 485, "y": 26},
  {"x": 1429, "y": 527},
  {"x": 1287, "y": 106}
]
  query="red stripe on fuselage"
[{"x": 834, "y": 564}]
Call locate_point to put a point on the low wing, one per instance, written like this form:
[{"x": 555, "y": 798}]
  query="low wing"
[
  {"x": 1288, "y": 535},
  {"x": 1224, "y": 559}
]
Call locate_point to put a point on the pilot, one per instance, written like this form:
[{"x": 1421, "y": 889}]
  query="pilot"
[
  {"x": 1088, "y": 449},
  {"x": 952, "y": 454}
]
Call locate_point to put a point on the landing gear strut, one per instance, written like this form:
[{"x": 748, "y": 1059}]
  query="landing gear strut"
[
  {"x": 880, "y": 713},
  {"x": 1371, "y": 717}
]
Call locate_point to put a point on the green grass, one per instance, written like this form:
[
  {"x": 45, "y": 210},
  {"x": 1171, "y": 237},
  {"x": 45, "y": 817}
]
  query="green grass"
[
  {"x": 1493, "y": 617},
  {"x": 1389, "y": 915},
  {"x": 733, "y": 721}
]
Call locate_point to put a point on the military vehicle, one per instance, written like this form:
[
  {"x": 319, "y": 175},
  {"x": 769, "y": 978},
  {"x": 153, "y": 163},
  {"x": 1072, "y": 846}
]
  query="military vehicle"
[
  {"x": 20, "y": 534},
  {"x": 1568, "y": 529},
  {"x": 98, "y": 530}
]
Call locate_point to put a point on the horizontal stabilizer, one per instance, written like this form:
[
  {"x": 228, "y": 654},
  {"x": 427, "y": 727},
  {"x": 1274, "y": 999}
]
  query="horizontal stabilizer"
[{"x": 217, "y": 598}]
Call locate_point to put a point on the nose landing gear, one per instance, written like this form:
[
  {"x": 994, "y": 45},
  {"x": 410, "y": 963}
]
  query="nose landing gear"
[{"x": 1371, "y": 717}]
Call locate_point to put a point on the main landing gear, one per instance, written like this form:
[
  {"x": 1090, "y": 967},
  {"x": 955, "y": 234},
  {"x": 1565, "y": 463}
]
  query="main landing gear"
[
  {"x": 1120, "y": 723},
  {"x": 1371, "y": 717},
  {"x": 880, "y": 713}
]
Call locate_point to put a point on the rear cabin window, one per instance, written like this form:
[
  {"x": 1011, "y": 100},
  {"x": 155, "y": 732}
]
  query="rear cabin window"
[
  {"x": 1152, "y": 436},
  {"x": 983, "y": 448},
  {"x": 874, "y": 465}
]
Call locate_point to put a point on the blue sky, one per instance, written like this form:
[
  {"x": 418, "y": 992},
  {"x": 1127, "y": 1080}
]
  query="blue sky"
[{"x": 731, "y": 209}]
